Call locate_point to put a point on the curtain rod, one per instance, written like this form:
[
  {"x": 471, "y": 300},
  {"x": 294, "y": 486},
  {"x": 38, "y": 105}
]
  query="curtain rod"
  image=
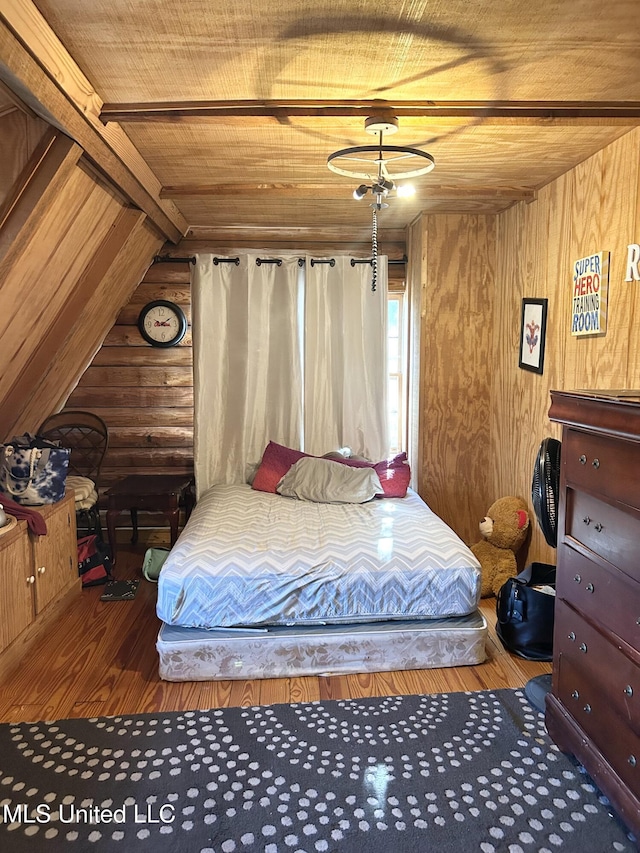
[
  {"x": 166, "y": 259},
  {"x": 390, "y": 261}
]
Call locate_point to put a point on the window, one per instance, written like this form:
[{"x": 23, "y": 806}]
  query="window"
[{"x": 396, "y": 370}]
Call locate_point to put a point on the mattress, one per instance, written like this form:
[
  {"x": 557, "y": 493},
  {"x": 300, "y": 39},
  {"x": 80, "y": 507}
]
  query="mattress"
[
  {"x": 196, "y": 654},
  {"x": 255, "y": 558}
]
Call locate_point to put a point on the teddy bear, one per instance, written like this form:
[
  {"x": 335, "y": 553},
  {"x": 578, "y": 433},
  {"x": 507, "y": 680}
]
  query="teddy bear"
[{"x": 504, "y": 529}]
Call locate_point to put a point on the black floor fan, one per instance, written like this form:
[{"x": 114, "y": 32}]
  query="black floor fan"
[{"x": 545, "y": 488}]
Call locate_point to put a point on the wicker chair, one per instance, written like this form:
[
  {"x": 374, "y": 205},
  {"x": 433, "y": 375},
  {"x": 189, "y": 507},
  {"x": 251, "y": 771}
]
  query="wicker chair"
[{"x": 86, "y": 435}]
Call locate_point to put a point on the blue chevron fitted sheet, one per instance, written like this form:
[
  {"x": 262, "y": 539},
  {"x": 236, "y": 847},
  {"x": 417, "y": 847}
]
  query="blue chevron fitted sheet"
[{"x": 255, "y": 558}]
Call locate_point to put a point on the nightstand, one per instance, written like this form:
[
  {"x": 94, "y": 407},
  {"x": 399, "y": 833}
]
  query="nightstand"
[{"x": 152, "y": 492}]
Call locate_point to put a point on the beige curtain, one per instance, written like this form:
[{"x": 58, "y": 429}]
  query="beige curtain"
[
  {"x": 247, "y": 364},
  {"x": 289, "y": 353},
  {"x": 345, "y": 358}
]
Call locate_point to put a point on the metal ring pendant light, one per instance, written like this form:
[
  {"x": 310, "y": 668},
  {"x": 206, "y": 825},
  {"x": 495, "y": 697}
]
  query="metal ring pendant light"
[
  {"x": 392, "y": 162},
  {"x": 390, "y": 167},
  {"x": 382, "y": 165}
]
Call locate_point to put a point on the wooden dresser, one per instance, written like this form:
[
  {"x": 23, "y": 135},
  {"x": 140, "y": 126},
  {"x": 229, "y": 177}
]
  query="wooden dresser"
[{"x": 593, "y": 709}]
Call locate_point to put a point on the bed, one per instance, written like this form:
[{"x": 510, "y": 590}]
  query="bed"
[{"x": 262, "y": 585}]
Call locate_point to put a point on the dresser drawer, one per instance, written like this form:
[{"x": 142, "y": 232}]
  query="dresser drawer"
[
  {"x": 604, "y": 595},
  {"x": 605, "y": 530},
  {"x": 608, "y": 466},
  {"x": 616, "y": 675},
  {"x": 591, "y": 709}
]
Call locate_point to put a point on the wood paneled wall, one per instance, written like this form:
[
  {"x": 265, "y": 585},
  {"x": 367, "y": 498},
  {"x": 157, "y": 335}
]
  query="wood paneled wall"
[
  {"x": 483, "y": 417},
  {"x": 457, "y": 259},
  {"x": 595, "y": 207}
]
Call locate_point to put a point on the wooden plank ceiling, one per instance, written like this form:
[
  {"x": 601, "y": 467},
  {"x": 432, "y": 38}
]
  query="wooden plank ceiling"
[{"x": 235, "y": 106}]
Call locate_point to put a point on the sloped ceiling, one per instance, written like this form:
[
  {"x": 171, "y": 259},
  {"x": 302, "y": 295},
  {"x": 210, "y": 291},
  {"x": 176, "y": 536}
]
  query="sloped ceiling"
[
  {"x": 79, "y": 224},
  {"x": 71, "y": 253},
  {"x": 235, "y": 106}
]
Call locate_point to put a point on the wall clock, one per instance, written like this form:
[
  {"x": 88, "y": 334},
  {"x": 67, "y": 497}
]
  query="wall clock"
[{"x": 162, "y": 323}]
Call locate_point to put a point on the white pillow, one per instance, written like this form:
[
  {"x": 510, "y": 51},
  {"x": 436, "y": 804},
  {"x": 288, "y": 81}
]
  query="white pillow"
[{"x": 325, "y": 481}]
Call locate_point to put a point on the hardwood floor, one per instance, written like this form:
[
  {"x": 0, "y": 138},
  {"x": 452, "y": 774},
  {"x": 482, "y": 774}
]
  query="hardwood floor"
[{"x": 100, "y": 659}]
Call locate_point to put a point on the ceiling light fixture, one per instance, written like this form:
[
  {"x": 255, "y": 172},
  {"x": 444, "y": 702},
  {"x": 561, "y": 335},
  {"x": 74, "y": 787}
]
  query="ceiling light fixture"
[{"x": 381, "y": 165}]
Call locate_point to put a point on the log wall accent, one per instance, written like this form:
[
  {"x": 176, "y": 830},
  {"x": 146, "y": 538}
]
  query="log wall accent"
[{"x": 143, "y": 393}]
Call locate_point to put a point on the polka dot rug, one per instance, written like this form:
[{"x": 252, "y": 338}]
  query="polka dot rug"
[{"x": 445, "y": 773}]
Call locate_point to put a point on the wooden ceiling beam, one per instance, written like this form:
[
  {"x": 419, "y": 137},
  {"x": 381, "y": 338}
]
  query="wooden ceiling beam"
[
  {"x": 281, "y": 190},
  {"x": 27, "y": 23},
  {"x": 35, "y": 66},
  {"x": 260, "y": 234},
  {"x": 524, "y": 112},
  {"x": 337, "y": 191}
]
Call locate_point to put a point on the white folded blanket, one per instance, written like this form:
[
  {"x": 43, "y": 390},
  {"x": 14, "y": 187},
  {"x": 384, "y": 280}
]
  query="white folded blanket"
[{"x": 84, "y": 490}]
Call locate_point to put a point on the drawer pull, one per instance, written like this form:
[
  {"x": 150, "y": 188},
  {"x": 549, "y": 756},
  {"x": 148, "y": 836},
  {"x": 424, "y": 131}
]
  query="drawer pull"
[
  {"x": 583, "y": 460},
  {"x": 628, "y": 690},
  {"x": 42, "y": 570},
  {"x": 589, "y": 587},
  {"x": 574, "y": 694},
  {"x": 587, "y": 708},
  {"x": 586, "y": 519},
  {"x": 632, "y": 760},
  {"x": 583, "y": 647},
  {"x": 31, "y": 579},
  {"x": 571, "y": 636},
  {"x": 596, "y": 463},
  {"x": 598, "y": 527},
  {"x": 577, "y": 578}
]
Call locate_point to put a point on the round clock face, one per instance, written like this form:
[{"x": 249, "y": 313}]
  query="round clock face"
[{"x": 162, "y": 324}]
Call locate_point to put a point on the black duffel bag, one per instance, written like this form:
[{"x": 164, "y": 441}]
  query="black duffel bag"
[{"x": 525, "y": 614}]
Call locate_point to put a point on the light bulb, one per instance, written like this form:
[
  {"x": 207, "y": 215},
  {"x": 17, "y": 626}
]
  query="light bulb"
[{"x": 405, "y": 190}]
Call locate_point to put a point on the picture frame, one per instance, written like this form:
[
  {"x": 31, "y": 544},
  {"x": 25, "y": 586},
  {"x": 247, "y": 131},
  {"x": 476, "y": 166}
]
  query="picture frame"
[{"x": 533, "y": 330}]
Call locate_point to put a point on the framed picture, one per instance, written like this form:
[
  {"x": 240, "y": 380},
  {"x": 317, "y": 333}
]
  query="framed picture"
[{"x": 532, "y": 334}]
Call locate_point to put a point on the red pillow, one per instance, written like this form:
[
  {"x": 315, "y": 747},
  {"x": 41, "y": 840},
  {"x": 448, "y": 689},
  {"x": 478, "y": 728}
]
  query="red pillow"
[
  {"x": 276, "y": 461},
  {"x": 394, "y": 474}
]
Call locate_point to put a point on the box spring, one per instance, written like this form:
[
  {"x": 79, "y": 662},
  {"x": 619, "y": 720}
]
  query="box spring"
[{"x": 198, "y": 654}]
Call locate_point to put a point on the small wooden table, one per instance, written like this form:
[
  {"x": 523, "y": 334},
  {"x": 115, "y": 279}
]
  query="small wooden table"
[{"x": 152, "y": 492}]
